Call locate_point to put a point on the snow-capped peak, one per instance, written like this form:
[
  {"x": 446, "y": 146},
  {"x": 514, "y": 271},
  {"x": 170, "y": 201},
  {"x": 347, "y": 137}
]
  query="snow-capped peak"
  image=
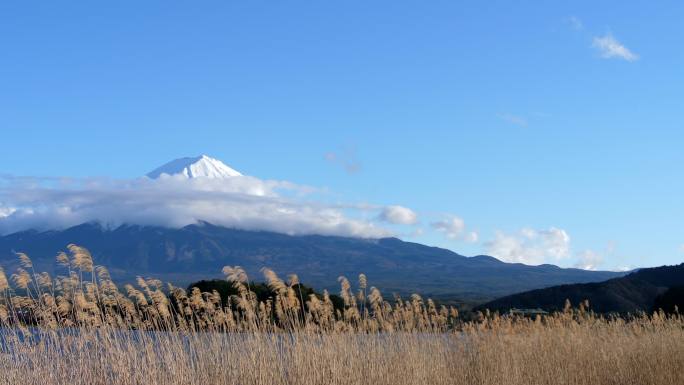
[{"x": 198, "y": 167}]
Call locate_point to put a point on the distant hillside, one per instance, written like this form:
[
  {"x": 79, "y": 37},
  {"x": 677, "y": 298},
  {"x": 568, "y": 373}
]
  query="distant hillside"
[
  {"x": 200, "y": 251},
  {"x": 671, "y": 301},
  {"x": 640, "y": 290}
]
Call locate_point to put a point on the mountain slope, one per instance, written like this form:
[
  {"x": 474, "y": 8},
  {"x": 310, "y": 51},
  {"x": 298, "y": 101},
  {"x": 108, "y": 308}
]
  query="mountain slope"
[
  {"x": 200, "y": 251},
  {"x": 634, "y": 292}
]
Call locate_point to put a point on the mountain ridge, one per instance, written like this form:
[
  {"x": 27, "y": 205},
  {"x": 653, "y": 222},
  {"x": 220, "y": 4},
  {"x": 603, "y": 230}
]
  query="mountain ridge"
[
  {"x": 637, "y": 291},
  {"x": 200, "y": 250}
]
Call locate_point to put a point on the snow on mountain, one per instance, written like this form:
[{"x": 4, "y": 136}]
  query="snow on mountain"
[{"x": 196, "y": 167}]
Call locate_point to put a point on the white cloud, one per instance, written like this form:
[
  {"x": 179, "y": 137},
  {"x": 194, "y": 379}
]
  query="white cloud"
[
  {"x": 240, "y": 202},
  {"x": 530, "y": 246},
  {"x": 534, "y": 247},
  {"x": 609, "y": 48},
  {"x": 399, "y": 215},
  {"x": 514, "y": 119},
  {"x": 588, "y": 260}
]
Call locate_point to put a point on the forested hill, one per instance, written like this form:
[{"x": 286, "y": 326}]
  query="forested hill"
[{"x": 643, "y": 290}]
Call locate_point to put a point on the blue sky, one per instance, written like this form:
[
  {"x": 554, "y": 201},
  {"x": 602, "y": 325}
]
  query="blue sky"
[{"x": 553, "y": 131}]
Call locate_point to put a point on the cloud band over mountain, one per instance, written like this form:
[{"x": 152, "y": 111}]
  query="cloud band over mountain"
[
  {"x": 190, "y": 190},
  {"x": 241, "y": 202}
]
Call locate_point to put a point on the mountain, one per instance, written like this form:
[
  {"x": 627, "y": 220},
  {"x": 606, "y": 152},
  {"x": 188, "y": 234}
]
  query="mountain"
[
  {"x": 637, "y": 291},
  {"x": 198, "y": 167},
  {"x": 200, "y": 251}
]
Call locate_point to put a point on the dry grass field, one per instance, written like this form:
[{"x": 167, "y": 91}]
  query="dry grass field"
[{"x": 80, "y": 328}]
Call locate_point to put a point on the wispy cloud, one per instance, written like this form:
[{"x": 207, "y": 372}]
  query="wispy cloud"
[
  {"x": 575, "y": 23},
  {"x": 471, "y": 237},
  {"x": 588, "y": 260},
  {"x": 610, "y": 48},
  {"x": 454, "y": 227},
  {"x": 346, "y": 159},
  {"x": 5, "y": 211},
  {"x": 514, "y": 119}
]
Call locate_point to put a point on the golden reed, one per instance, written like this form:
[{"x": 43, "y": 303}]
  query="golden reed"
[{"x": 80, "y": 328}]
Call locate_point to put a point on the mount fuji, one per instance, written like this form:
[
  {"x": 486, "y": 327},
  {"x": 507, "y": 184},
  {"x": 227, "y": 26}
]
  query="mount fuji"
[
  {"x": 201, "y": 166},
  {"x": 200, "y": 249}
]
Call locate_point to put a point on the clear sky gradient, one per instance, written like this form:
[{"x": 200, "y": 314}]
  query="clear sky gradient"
[{"x": 518, "y": 118}]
